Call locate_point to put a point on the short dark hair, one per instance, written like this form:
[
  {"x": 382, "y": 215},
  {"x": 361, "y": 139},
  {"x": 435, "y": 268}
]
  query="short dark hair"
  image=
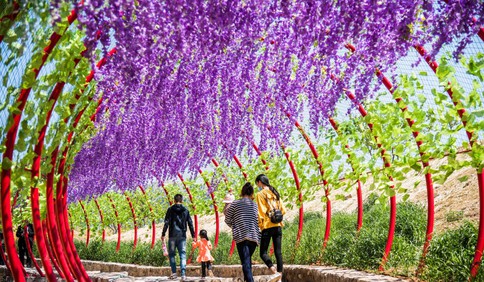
[
  {"x": 247, "y": 190},
  {"x": 178, "y": 198},
  {"x": 203, "y": 234}
]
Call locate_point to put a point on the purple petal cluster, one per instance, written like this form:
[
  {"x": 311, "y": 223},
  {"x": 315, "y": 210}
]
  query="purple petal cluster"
[{"x": 191, "y": 76}]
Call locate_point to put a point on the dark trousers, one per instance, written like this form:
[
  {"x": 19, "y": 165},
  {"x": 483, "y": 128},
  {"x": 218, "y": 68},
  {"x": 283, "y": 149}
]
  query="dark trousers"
[
  {"x": 276, "y": 234},
  {"x": 206, "y": 265},
  {"x": 246, "y": 249},
  {"x": 23, "y": 252}
]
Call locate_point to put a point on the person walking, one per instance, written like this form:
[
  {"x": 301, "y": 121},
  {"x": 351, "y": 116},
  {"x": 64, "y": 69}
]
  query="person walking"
[
  {"x": 241, "y": 216},
  {"x": 22, "y": 244},
  {"x": 268, "y": 202},
  {"x": 204, "y": 255},
  {"x": 177, "y": 218}
]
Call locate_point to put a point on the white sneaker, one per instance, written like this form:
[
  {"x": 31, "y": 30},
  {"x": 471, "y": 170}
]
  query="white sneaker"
[
  {"x": 173, "y": 276},
  {"x": 275, "y": 277},
  {"x": 183, "y": 278}
]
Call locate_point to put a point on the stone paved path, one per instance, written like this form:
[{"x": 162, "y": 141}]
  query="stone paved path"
[{"x": 116, "y": 272}]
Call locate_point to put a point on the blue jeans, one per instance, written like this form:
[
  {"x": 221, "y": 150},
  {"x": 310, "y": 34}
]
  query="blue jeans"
[
  {"x": 246, "y": 249},
  {"x": 180, "y": 244}
]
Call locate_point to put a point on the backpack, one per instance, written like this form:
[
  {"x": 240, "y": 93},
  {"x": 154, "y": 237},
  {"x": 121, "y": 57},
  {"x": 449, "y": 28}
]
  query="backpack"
[{"x": 275, "y": 214}]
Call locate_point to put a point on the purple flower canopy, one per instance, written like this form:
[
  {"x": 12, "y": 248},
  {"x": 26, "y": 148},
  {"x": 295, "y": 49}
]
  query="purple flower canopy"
[{"x": 193, "y": 78}]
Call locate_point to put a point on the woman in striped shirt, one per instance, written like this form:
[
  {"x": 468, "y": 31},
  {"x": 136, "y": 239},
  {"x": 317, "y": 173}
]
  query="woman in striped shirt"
[{"x": 241, "y": 216}]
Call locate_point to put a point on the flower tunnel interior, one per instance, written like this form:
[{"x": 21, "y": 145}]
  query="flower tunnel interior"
[{"x": 110, "y": 108}]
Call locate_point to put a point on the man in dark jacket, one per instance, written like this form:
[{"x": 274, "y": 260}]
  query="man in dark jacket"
[
  {"x": 176, "y": 219},
  {"x": 22, "y": 244}
]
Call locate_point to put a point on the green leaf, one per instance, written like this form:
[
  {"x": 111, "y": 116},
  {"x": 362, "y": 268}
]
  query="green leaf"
[
  {"x": 7, "y": 164},
  {"x": 463, "y": 178}
]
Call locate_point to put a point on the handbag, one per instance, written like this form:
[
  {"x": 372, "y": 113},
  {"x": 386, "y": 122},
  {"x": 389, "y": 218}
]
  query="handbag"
[{"x": 274, "y": 214}]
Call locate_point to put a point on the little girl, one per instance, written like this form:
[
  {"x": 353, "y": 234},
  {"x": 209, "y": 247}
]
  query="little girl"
[{"x": 204, "y": 255}]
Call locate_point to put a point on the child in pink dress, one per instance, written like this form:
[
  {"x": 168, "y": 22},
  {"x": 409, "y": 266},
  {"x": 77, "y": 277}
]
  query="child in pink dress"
[{"x": 204, "y": 255}]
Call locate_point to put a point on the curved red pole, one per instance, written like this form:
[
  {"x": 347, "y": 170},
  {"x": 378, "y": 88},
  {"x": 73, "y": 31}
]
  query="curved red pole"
[
  {"x": 153, "y": 223},
  {"x": 359, "y": 196},
  {"x": 428, "y": 176},
  {"x": 164, "y": 189},
  {"x": 16, "y": 266},
  {"x": 35, "y": 172},
  {"x": 52, "y": 230},
  {"x": 264, "y": 162},
  {"x": 393, "y": 201},
  {"x": 50, "y": 250},
  {"x": 4, "y": 257},
  {"x": 461, "y": 111},
  {"x": 215, "y": 209},
  {"x": 101, "y": 216},
  {"x": 321, "y": 171},
  {"x": 30, "y": 253},
  {"x": 191, "y": 201},
  {"x": 300, "y": 197},
  {"x": 61, "y": 190},
  {"x": 86, "y": 218},
  {"x": 189, "y": 260},
  {"x": 118, "y": 245},
  {"x": 166, "y": 193},
  {"x": 133, "y": 214},
  {"x": 239, "y": 164},
  {"x": 12, "y": 16},
  {"x": 259, "y": 153},
  {"x": 69, "y": 234}
]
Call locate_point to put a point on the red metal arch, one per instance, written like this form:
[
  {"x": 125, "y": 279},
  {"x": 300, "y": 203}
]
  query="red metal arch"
[
  {"x": 191, "y": 201},
  {"x": 86, "y": 218},
  {"x": 135, "y": 223},
  {"x": 113, "y": 205},
  {"x": 16, "y": 266},
  {"x": 480, "y": 174},
  {"x": 101, "y": 216},
  {"x": 153, "y": 223},
  {"x": 393, "y": 201},
  {"x": 359, "y": 222},
  {"x": 215, "y": 210}
]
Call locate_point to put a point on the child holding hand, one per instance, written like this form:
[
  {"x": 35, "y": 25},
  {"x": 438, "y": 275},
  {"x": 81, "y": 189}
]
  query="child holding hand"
[{"x": 204, "y": 255}]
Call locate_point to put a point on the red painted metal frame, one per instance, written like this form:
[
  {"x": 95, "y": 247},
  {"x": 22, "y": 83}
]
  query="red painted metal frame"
[
  {"x": 61, "y": 189},
  {"x": 461, "y": 111},
  {"x": 16, "y": 266},
  {"x": 30, "y": 253},
  {"x": 118, "y": 245},
  {"x": 164, "y": 189},
  {"x": 101, "y": 216},
  {"x": 393, "y": 200},
  {"x": 428, "y": 176},
  {"x": 191, "y": 201},
  {"x": 153, "y": 223},
  {"x": 359, "y": 221},
  {"x": 86, "y": 218},
  {"x": 300, "y": 196},
  {"x": 50, "y": 250},
  {"x": 244, "y": 174},
  {"x": 12, "y": 16},
  {"x": 135, "y": 223},
  {"x": 35, "y": 172},
  {"x": 189, "y": 260},
  {"x": 321, "y": 171},
  {"x": 52, "y": 230},
  {"x": 215, "y": 209}
]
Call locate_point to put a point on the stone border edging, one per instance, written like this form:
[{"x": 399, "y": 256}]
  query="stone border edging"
[{"x": 291, "y": 272}]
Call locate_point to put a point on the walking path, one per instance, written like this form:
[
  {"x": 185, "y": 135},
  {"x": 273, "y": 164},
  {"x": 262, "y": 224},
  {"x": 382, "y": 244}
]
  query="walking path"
[{"x": 117, "y": 272}]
